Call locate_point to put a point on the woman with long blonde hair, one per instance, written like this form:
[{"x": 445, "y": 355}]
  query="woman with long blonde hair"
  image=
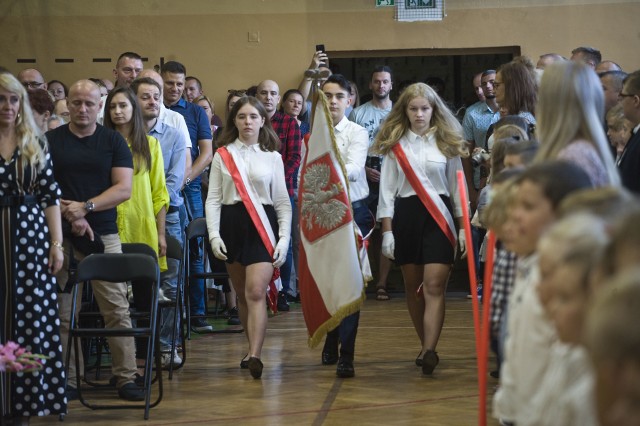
[
  {"x": 30, "y": 255},
  {"x": 570, "y": 126},
  {"x": 423, "y": 143}
]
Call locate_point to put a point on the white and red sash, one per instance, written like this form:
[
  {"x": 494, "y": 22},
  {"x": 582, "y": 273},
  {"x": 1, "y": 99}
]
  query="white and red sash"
[
  {"x": 426, "y": 193},
  {"x": 235, "y": 165}
]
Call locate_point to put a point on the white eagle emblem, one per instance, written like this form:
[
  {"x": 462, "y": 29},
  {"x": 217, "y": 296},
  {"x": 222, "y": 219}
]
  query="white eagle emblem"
[{"x": 318, "y": 205}]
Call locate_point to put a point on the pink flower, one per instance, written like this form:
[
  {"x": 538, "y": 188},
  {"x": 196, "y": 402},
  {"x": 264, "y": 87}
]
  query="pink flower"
[{"x": 13, "y": 358}]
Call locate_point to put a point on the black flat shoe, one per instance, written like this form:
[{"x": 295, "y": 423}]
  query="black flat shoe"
[
  {"x": 255, "y": 367},
  {"x": 419, "y": 360},
  {"x": 345, "y": 368},
  {"x": 329, "y": 358},
  {"x": 429, "y": 362},
  {"x": 244, "y": 363}
]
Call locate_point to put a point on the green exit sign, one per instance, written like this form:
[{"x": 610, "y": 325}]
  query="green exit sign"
[{"x": 384, "y": 3}]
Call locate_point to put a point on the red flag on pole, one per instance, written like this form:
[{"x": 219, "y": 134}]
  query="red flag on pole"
[{"x": 331, "y": 279}]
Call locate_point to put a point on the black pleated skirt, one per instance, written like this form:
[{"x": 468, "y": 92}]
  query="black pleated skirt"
[
  {"x": 418, "y": 238},
  {"x": 241, "y": 237}
]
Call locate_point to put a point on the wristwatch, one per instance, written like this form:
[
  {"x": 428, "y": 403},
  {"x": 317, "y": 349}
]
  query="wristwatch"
[
  {"x": 188, "y": 181},
  {"x": 89, "y": 206}
]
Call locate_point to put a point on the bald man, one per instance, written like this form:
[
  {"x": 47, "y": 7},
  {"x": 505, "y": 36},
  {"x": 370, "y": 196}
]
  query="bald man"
[
  {"x": 32, "y": 79},
  {"x": 288, "y": 130},
  {"x": 548, "y": 59},
  {"x": 94, "y": 168}
]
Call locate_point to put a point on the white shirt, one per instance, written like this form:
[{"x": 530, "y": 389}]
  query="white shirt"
[
  {"x": 175, "y": 120},
  {"x": 440, "y": 170},
  {"x": 527, "y": 346},
  {"x": 353, "y": 143},
  {"x": 566, "y": 394},
  {"x": 265, "y": 172}
]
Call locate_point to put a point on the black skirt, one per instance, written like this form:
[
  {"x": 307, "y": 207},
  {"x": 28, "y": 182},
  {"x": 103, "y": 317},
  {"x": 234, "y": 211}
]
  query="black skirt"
[
  {"x": 240, "y": 235},
  {"x": 418, "y": 238}
]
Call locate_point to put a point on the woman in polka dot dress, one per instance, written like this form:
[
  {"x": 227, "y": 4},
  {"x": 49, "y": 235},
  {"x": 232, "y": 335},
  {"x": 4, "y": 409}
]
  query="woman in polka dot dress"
[{"x": 30, "y": 253}]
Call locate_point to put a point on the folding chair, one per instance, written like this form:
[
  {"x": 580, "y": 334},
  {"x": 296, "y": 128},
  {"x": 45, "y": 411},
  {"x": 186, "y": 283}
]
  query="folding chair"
[
  {"x": 116, "y": 268},
  {"x": 197, "y": 228}
]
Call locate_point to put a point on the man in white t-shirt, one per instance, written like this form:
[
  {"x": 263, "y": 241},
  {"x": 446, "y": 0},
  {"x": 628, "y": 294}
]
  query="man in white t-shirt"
[{"x": 370, "y": 115}]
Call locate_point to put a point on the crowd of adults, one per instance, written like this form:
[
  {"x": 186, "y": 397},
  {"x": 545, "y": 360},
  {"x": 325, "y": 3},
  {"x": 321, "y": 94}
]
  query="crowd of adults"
[{"x": 551, "y": 155}]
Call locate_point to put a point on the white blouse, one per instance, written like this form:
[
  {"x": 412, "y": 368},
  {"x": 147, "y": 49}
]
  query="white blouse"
[
  {"x": 440, "y": 170},
  {"x": 265, "y": 172}
]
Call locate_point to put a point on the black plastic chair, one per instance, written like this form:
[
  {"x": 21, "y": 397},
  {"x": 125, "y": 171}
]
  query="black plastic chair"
[
  {"x": 197, "y": 228},
  {"x": 117, "y": 268},
  {"x": 174, "y": 251}
]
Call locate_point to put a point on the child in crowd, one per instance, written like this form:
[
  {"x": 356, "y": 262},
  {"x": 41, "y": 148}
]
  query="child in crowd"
[
  {"x": 540, "y": 190},
  {"x": 495, "y": 218},
  {"x": 568, "y": 253},
  {"x": 612, "y": 336}
]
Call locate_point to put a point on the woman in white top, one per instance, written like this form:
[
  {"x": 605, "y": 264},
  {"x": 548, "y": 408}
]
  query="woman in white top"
[
  {"x": 233, "y": 231},
  {"x": 432, "y": 140}
]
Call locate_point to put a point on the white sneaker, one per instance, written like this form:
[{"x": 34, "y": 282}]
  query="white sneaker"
[{"x": 166, "y": 359}]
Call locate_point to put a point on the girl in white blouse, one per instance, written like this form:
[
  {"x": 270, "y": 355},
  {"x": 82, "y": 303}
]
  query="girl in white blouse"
[
  {"x": 235, "y": 233},
  {"x": 431, "y": 140}
]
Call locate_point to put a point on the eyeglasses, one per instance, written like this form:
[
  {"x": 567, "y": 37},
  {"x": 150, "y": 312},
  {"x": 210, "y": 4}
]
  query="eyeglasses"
[
  {"x": 237, "y": 92},
  {"x": 32, "y": 84}
]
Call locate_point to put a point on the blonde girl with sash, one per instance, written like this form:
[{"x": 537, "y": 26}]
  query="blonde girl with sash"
[
  {"x": 423, "y": 143},
  {"x": 248, "y": 215}
]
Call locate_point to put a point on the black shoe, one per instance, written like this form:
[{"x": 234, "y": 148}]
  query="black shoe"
[
  {"x": 138, "y": 379},
  {"x": 283, "y": 305},
  {"x": 291, "y": 299},
  {"x": 329, "y": 358},
  {"x": 429, "y": 362},
  {"x": 419, "y": 361},
  {"x": 234, "y": 316},
  {"x": 244, "y": 363},
  {"x": 71, "y": 393},
  {"x": 345, "y": 368},
  {"x": 131, "y": 392},
  {"x": 200, "y": 325},
  {"x": 255, "y": 367},
  {"x": 495, "y": 374}
]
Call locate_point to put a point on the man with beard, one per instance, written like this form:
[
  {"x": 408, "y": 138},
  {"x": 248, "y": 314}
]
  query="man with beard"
[
  {"x": 370, "y": 115},
  {"x": 475, "y": 124},
  {"x": 149, "y": 94}
]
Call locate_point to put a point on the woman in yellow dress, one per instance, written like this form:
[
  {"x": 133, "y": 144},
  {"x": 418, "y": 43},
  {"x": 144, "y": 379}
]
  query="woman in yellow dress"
[{"x": 141, "y": 219}]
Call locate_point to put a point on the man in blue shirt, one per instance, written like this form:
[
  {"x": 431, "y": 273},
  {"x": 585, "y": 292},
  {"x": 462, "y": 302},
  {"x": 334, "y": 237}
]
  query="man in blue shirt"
[
  {"x": 174, "y": 75},
  {"x": 149, "y": 93}
]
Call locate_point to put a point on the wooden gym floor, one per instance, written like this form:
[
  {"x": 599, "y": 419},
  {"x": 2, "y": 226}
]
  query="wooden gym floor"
[{"x": 296, "y": 389}]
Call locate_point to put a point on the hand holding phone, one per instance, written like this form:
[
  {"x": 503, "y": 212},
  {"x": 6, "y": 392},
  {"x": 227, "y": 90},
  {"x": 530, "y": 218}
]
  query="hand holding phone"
[{"x": 320, "y": 57}]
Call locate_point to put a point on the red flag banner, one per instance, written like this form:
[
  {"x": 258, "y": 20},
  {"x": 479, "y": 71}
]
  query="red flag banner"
[{"x": 330, "y": 276}]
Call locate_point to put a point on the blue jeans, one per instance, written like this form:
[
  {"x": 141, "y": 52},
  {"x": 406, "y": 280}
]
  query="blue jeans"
[
  {"x": 285, "y": 269},
  {"x": 193, "y": 202},
  {"x": 169, "y": 279}
]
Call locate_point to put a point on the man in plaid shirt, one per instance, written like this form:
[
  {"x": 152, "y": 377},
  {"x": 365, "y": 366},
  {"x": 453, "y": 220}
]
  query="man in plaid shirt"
[{"x": 288, "y": 130}]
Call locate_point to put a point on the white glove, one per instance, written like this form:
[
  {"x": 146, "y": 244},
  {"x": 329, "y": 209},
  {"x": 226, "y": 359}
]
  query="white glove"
[
  {"x": 462, "y": 244},
  {"x": 280, "y": 253},
  {"x": 388, "y": 244},
  {"x": 219, "y": 249}
]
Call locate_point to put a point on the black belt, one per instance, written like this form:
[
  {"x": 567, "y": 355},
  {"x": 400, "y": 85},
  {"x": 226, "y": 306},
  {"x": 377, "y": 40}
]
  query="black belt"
[
  {"x": 173, "y": 209},
  {"x": 359, "y": 203},
  {"x": 18, "y": 200}
]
